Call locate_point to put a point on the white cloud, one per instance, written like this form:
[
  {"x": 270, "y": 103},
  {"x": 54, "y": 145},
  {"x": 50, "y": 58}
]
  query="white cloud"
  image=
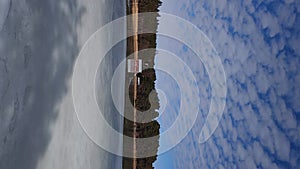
[{"x": 259, "y": 126}]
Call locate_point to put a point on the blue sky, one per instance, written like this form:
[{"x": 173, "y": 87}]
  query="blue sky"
[{"x": 258, "y": 42}]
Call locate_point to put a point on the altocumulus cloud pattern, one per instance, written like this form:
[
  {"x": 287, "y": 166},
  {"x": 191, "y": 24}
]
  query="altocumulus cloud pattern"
[{"x": 258, "y": 42}]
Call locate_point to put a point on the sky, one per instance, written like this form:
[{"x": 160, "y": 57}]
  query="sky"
[{"x": 257, "y": 42}]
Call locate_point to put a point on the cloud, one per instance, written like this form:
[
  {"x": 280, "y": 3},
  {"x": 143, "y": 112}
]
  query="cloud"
[{"x": 258, "y": 44}]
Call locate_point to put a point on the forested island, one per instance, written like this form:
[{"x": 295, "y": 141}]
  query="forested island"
[{"x": 146, "y": 98}]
